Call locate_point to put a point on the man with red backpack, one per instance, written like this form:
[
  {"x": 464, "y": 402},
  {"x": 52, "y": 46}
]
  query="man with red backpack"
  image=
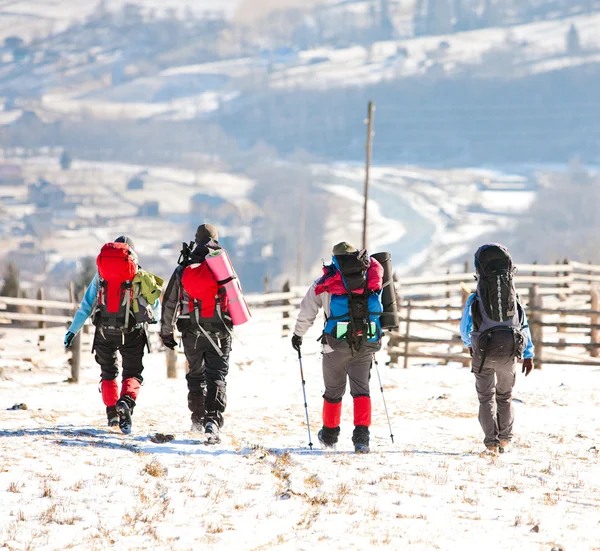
[
  {"x": 196, "y": 304},
  {"x": 121, "y": 299},
  {"x": 350, "y": 294}
]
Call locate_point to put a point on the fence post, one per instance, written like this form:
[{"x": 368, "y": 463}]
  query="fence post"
[
  {"x": 266, "y": 282},
  {"x": 464, "y": 293},
  {"x": 171, "y": 364},
  {"x": 407, "y": 334},
  {"x": 537, "y": 331},
  {"x": 464, "y": 296},
  {"x": 76, "y": 358},
  {"x": 41, "y": 310},
  {"x": 595, "y": 334},
  {"x": 285, "y": 332},
  {"x": 76, "y": 344}
]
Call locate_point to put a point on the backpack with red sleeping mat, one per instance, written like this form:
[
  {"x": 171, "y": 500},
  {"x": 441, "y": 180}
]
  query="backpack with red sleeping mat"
[{"x": 203, "y": 292}]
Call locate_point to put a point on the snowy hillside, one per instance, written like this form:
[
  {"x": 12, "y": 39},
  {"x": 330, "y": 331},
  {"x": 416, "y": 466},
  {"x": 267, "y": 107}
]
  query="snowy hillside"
[
  {"x": 198, "y": 90},
  {"x": 69, "y": 482},
  {"x": 32, "y": 18}
]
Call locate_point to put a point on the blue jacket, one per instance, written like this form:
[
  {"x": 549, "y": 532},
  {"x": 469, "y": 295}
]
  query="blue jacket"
[
  {"x": 86, "y": 309},
  {"x": 466, "y": 327}
]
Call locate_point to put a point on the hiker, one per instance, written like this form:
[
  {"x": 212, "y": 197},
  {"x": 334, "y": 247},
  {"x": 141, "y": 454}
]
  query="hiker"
[
  {"x": 196, "y": 304},
  {"x": 494, "y": 328},
  {"x": 350, "y": 294},
  {"x": 121, "y": 300}
]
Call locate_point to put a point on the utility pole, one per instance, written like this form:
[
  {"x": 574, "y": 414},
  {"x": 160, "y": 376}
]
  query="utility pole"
[{"x": 368, "y": 170}]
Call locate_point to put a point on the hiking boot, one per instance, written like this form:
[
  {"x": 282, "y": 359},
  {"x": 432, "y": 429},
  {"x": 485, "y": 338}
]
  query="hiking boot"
[
  {"x": 491, "y": 450},
  {"x": 504, "y": 446},
  {"x": 360, "y": 439},
  {"x": 197, "y": 422},
  {"x": 196, "y": 404},
  {"x": 328, "y": 436},
  {"x": 124, "y": 408},
  {"x": 112, "y": 416},
  {"x": 212, "y": 433}
]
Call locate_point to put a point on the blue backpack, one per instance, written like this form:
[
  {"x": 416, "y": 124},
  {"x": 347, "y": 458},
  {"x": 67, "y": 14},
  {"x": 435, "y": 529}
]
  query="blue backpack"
[{"x": 355, "y": 317}]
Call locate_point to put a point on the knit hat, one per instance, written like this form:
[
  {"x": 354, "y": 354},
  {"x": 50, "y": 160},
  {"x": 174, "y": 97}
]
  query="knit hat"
[
  {"x": 205, "y": 233},
  {"x": 125, "y": 239},
  {"x": 343, "y": 248}
]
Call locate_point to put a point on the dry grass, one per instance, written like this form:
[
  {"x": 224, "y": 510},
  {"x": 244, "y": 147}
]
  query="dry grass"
[
  {"x": 47, "y": 490},
  {"x": 155, "y": 469},
  {"x": 340, "y": 494},
  {"x": 15, "y": 487},
  {"x": 79, "y": 485},
  {"x": 313, "y": 481},
  {"x": 419, "y": 516}
]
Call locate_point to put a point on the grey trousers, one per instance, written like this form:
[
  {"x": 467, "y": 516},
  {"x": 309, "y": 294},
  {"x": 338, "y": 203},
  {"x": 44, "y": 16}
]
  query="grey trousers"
[
  {"x": 341, "y": 364},
  {"x": 494, "y": 388}
]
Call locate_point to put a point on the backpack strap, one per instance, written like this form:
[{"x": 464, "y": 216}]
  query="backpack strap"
[{"x": 476, "y": 316}]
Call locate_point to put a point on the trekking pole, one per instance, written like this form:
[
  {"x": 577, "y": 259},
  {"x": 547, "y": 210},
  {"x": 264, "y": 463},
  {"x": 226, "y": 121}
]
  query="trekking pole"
[
  {"x": 383, "y": 396},
  {"x": 310, "y": 444}
]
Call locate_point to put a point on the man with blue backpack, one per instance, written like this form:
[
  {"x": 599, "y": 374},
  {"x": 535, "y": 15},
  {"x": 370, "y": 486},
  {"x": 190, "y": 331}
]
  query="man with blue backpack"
[
  {"x": 349, "y": 292},
  {"x": 494, "y": 328}
]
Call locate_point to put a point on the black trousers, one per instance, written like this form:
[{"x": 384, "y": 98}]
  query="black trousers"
[
  {"x": 208, "y": 371},
  {"x": 131, "y": 347}
]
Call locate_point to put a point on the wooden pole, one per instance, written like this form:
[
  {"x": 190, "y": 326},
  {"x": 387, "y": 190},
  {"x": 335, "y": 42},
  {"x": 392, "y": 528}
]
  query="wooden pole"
[
  {"x": 464, "y": 296},
  {"x": 407, "y": 343},
  {"x": 464, "y": 293},
  {"x": 75, "y": 358},
  {"x": 171, "y": 364},
  {"x": 537, "y": 331},
  {"x": 595, "y": 334},
  {"x": 41, "y": 310},
  {"x": 76, "y": 344},
  {"x": 368, "y": 171}
]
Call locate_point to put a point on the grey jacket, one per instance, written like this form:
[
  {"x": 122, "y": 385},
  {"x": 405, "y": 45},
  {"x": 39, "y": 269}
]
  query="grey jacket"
[{"x": 309, "y": 309}]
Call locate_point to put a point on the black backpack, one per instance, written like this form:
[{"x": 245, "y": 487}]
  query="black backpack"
[{"x": 495, "y": 285}]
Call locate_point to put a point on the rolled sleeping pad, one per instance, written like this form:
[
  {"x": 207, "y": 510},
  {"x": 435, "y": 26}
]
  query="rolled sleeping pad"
[
  {"x": 389, "y": 319},
  {"x": 221, "y": 267}
]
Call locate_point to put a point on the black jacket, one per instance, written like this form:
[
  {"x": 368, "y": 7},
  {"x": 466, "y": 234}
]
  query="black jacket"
[{"x": 170, "y": 303}]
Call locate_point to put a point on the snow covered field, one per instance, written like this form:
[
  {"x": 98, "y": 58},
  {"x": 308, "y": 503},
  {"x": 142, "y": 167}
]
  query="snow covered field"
[{"x": 69, "y": 482}]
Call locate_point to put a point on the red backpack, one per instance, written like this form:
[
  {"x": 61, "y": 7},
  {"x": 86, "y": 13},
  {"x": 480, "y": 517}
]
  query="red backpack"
[
  {"x": 117, "y": 266},
  {"x": 203, "y": 291}
]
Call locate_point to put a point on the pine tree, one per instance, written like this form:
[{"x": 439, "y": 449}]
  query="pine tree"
[
  {"x": 85, "y": 275},
  {"x": 573, "y": 43},
  {"x": 12, "y": 282},
  {"x": 65, "y": 160}
]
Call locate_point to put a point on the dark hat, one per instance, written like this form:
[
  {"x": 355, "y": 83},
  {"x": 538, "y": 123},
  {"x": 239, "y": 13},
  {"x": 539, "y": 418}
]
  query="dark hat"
[
  {"x": 125, "y": 239},
  {"x": 205, "y": 233},
  {"x": 343, "y": 248}
]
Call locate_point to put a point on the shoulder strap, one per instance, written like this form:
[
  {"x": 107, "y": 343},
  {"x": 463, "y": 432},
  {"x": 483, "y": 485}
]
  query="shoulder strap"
[{"x": 476, "y": 313}]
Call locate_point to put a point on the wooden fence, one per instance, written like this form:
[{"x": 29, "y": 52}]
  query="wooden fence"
[{"x": 562, "y": 302}]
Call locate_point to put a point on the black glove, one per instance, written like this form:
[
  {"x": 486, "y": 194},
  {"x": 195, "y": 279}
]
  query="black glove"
[
  {"x": 527, "y": 366},
  {"x": 69, "y": 339},
  {"x": 169, "y": 341},
  {"x": 296, "y": 342}
]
